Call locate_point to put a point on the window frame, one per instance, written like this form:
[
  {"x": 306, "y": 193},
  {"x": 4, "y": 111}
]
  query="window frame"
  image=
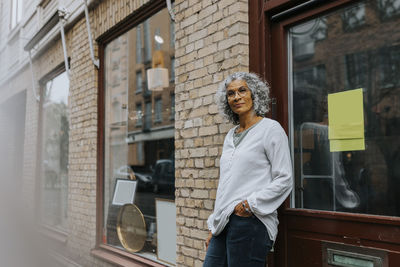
[
  {"x": 16, "y": 18},
  {"x": 102, "y": 250},
  {"x": 265, "y": 46},
  {"x": 54, "y": 233}
]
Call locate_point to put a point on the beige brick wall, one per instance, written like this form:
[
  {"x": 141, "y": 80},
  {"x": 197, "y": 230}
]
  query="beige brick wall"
[{"x": 211, "y": 42}]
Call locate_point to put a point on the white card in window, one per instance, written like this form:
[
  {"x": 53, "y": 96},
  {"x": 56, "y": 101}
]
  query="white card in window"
[{"x": 124, "y": 192}]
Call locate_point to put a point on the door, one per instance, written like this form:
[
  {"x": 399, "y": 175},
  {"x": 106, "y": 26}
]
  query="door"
[{"x": 345, "y": 206}]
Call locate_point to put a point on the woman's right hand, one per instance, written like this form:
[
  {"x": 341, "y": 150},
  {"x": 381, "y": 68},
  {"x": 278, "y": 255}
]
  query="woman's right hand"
[{"x": 208, "y": 239}]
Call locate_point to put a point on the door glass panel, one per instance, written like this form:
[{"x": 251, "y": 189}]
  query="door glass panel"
[{"x": 354, "y": 47}]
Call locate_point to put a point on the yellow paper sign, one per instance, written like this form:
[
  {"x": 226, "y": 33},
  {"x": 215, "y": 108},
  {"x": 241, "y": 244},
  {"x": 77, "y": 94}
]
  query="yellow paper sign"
[{"x": 346, "y": 121}]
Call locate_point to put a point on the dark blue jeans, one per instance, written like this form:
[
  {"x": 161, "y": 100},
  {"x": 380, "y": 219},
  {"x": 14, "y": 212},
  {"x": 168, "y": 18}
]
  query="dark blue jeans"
[{"x": 243, "y": 243}]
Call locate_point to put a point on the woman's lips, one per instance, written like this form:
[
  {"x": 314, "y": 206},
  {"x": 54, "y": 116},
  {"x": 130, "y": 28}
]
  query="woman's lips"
[{"x": 238, "y": 105}]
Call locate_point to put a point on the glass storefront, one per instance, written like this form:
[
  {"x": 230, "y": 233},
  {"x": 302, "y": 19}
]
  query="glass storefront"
[
  {"x": 354, "y": 47},
  {"x": 139, "y": 166},
  {"x": 55, "y": 143}
]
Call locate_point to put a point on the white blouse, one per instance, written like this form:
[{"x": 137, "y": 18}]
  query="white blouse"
[{"x": 258, "y": 170}]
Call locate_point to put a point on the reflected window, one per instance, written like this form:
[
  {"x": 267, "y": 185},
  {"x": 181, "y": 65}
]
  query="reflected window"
[
  {"x": 304, "y": 37},
  {"x": 139, "y": 115},
  {"x": 389, "y": 9},
  {"x": 16, "y": 12},
  {"x": 158, "y": 110},
  {"x": 139, "y": 82},
  {"x": 389, "y": 67},
  {"x": 138, "y": 153},
  {"x": 172, "y": 117},
  {"x": 357, "y": 69},
  {"x": 138, "y": 44},
  {"x": 353, "y": 18},
  {"x": 54, "y": 152},
  {"x": 172, "y": 78},
  {"x": 360, "y": 181},
  {"x": 147, "y": 40},
  {"x": 158, "y": 39}
]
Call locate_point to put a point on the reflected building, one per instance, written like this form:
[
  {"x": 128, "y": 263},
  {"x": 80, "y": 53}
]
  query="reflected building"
[{"x": 356, "y": 47}]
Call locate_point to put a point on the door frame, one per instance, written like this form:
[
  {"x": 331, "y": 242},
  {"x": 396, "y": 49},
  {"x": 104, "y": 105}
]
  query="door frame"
[{"x": 268, "y": 22}]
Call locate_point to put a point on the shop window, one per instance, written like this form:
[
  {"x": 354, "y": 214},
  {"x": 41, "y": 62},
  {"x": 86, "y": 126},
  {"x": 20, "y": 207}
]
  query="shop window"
[
  {"x": 54, "y": 152},
  {"x": 138, "y": 169},
  {"x": 388, "y": 9},
  {"x": 16, "y": 12},
  {"x": 359, "y": 180}
]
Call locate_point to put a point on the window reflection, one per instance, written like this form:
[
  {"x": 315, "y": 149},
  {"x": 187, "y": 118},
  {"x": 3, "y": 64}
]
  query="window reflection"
[
  {"x": 139, "y": 136},
  {"x": 389, "y": 9},
  {"x": 55, "y": 148},
  {"x": 366, "y": 181},
  {"x": 353, "y": 18}
]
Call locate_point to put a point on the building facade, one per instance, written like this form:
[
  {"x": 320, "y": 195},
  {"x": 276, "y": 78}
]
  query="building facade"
[{"x": 93, "y": 125}]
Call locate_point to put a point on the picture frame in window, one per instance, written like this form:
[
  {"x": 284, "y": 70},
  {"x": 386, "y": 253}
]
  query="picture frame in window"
[{"x": 124, "y": 192}]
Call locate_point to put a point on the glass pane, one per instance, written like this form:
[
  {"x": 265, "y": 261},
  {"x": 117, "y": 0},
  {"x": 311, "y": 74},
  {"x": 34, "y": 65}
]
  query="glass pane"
[
  {"x": 354, "y": 47},
  {"x": 136, "y": 148},
  {"x": 55, "y": 134}
]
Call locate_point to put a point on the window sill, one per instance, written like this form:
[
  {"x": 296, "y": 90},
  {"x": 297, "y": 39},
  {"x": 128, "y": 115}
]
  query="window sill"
[
  {"x": 54, "y": 234},
  {"x": 13, "y": 32},
  {"x": 121, "y": 258}
]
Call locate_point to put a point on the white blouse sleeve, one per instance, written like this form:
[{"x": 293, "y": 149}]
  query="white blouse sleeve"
[{"x": 267, "y": 200}]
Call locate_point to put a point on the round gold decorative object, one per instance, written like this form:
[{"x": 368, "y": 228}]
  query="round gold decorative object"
[{"x": 131, "y": 228}]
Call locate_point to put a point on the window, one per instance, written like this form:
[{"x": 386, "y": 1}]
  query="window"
[
  {"x": 357, "y": 69},
  {"x": 139, "y": 82},
  {"x": 133, "y": 148},
  {"x": 353, "y": 18},
  {"x": 16, "y": 12},
  {"x": 305, "y": 36},
  {"x": 389, "y": 9},
  {"x": 54, "y": 152},
  {"x": 172, "y": 34},
  {"x": 356, "y": 181},
  {"x": 158, "y": 110},
  {"x": 172, "y": 117},
  {"x": 147, "y": 40},
  {"x": 389, "y": 67},
  {"x": 172, "y": 78},
  {"x": 158, "y": 39},
  {"x": 138, "y": 44},
  {"x": 139, "y": 115},
  {"x": 147, "y": 116}
]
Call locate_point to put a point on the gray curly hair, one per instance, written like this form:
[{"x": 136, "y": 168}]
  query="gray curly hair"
[{"x": 259, "y": 93}]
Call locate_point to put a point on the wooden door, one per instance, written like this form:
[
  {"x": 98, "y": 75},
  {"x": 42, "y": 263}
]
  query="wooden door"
[{"x": 345, "y": 207}]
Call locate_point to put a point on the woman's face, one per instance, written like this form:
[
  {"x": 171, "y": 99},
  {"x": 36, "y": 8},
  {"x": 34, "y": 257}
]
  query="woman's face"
[{"x": 239, "y": 97}]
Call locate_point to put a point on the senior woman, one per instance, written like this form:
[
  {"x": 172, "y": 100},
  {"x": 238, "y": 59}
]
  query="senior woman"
[{"x": 255, "y": 176}]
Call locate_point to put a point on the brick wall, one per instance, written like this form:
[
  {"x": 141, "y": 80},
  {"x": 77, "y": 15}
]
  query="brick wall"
[{"x": 211, "y": 42}]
